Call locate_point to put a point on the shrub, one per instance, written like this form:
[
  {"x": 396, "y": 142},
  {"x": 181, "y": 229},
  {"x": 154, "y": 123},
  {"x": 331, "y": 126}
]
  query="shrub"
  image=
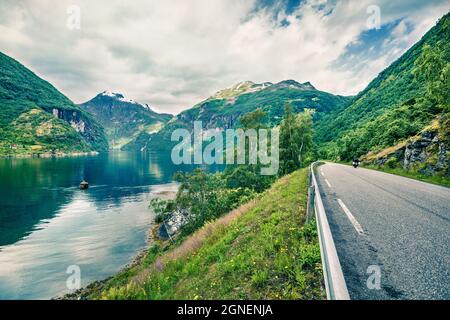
[{"x": 392, "y": 163}]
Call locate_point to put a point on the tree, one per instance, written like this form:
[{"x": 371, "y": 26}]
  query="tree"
[
  {"x": 432, "y": 67},
  {"x": 247, "y": 176},
  {"x": 201, "y": 197},
  {"x": 295, "y": 139},
  {"x": 254, "y": 120},
  {"x": 198, "y": 191},
  {"x": 435, "y": 70}
]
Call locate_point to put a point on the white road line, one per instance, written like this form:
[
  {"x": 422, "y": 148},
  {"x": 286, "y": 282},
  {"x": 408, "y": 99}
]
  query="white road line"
[
  {"x": 352, "y": 219},
  {"x": 321, "y": 172},
  {"x": 329, "y": 185}
]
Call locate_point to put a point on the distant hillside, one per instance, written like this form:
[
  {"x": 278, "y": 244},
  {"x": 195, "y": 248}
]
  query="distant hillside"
[
  {"x": 389, "y": 110},
  {"x": 224, "y": 108},
  {"x": 36, "y": 118},
  {"x": 123, "y": 119}
]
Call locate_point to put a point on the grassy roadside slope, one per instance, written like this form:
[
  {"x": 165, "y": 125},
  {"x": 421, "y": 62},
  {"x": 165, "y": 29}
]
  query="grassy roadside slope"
[{"x": 263, "y": 250}]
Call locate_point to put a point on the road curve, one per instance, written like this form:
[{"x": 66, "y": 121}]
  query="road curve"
[{"x": 391, "y": 226}]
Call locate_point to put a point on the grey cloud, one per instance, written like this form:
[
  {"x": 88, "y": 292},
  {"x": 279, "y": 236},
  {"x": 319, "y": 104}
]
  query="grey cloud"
[{"x": 172, "y": 55}]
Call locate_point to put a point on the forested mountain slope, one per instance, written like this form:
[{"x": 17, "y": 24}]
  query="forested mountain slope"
[
  {"x": 123, "y": 119},
  {"x": 36, "y": 118},
  {"x": 392, "y": 108},
  {"x": 223, "y": 109}
]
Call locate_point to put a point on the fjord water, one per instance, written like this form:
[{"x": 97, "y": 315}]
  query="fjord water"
[{"x": 48, "y": 224}]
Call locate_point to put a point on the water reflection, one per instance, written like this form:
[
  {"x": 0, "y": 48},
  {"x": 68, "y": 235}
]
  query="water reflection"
[
  {"x": 47, "y": 223},
  {"x": 35, "y": 189}
]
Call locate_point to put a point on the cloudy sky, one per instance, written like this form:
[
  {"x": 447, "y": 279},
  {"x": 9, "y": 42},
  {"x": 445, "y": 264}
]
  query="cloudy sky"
[{"x": 172, "y": 54}]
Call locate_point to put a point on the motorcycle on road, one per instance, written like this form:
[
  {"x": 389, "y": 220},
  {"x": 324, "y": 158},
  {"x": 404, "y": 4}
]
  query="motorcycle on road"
[{"x": 356, "y": 163}]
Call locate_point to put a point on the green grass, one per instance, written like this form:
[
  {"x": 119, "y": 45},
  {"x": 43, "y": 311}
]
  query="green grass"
[{"x": 263, "y": 250}]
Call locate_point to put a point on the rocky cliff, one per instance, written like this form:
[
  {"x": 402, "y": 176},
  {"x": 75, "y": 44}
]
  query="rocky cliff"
[
  {"x": 35, "y": 118},
  {"x": 427, "y": 153},
  {"x": 89, "y": 130}
]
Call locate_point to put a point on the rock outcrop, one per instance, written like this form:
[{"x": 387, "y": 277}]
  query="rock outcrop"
[
  {"x": 82, "y": 124},
  {"x": 425, "y": 153},
  {"x": 173, "y": 224}
]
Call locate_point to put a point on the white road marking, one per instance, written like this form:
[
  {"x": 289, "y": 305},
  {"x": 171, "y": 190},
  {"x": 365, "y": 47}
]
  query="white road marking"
[
  {"x": 329, "y": 185},
  {"x": 352, "y": 219},
  {"x": 321, "y": 172}
]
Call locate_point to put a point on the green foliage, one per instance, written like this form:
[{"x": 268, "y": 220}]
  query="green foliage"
[
  {"x": 397, "y": 104},
  {"x": 247, "y": 177},
  {"x": 295, "y": 139},
  {"x": 392, "y": 163},
  {"x": 204, "y": 196},
  {"x": 131, "y": 291},
  {"x": 162, "y": 208},
  {"x": 253, "y": 120},
  {"x": 228, "y": 113},
  {"x": 199, "y": 194},
  {"x": 207, "y": 196},
  {"x": 435, "y": 70},
  {"x": 123, "y": 121},
  {"x": 268, "y": 252},
  {"x": 26, "y": 121}
]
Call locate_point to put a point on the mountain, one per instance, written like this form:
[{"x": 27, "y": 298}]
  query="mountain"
[
  {"x": 240, "y": 88},
  {"x": 123, "y": 119},
  {"x": 36, "y": 118},
  {"x": 390, "y": 109},
  {"x": 224, "y": 108}
]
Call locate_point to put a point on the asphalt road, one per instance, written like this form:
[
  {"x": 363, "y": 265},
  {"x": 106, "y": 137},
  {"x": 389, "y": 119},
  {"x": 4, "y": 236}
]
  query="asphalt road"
[{"x": 391, "y": 226}]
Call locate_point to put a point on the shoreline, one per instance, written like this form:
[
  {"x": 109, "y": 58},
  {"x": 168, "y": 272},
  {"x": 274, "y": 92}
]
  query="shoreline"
[
  {"x": 49, "y": 155},
  {"x": 151, "y": 236},
  {"x": 98, "y": 285}
]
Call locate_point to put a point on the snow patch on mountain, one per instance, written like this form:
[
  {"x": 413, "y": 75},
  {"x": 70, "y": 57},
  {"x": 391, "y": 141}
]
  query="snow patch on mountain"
[{"x": 120, "y": 97}]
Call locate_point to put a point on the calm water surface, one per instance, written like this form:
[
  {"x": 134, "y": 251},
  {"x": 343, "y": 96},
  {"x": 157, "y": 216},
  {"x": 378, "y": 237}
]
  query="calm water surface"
[{"x": 47, "y": 224}]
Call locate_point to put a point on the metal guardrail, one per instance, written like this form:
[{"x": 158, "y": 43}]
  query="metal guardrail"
[{"x": 335, "y": 285}]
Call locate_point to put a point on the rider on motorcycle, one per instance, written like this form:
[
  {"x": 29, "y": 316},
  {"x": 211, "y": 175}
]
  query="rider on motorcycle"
[{"x": 356, "y": 162}]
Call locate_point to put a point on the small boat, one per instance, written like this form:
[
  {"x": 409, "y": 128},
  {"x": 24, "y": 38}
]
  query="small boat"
[{"x": 84, "y": 185}]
